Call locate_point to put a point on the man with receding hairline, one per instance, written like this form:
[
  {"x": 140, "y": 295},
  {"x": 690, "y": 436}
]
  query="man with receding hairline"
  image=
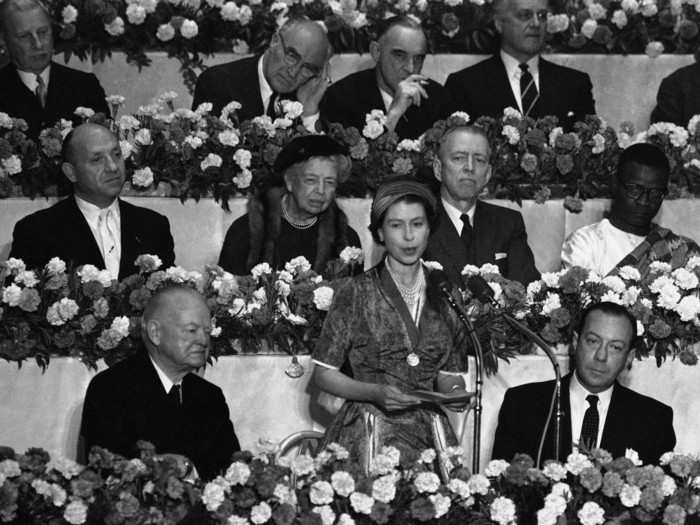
[
  {"x": 412, "y": 102},
  {"x": 93, "y": 226},
  {"x": 32, "y": 87},
  {"x": 471, "y": 231},
  {"x": 293, "y": 67},
  {"x": 598, "y": 412},
  {"x": 155, "y": 396},
  {"x": 518, "y": 76}
]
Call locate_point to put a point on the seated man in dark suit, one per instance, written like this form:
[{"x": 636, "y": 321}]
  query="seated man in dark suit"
[
  {"x": 294, "y": 66},
  {"x": 412, "y": 102},
  {"x": 32, "y": 87},
  {"x": 678, "y": 98},
  {"x": 471, "y": 231},
  {"x": 153, "y": 395},
  {"x": 93, "y": 226},
  {"x": 597, "y": 410},
  {"x": 300, "y": 218},
  {"x": 517, "y": 76}
]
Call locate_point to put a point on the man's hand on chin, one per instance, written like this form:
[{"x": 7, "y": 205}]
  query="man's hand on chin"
[
  {"x": 408, "y": 92},
  {"x": 311, "y": 92}
]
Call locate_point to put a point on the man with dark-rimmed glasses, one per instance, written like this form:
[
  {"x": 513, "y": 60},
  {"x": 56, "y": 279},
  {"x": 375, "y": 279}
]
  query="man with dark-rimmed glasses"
[
  {"x": 629, "y": 237},
  {"x": 294, "y": 67}
]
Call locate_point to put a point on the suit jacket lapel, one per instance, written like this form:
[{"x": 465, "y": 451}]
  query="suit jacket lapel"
[
  {"x": 499, "y": 84},
  {"x": 448, "y": 243},
  {"x": 54, "y": 96},
  {"x": 79, "y": 236},
  {"x": 131, "y": 242},
  {"x": 614, "y": 431},
  {"x": 548, "y": 89},
  {"x": 483, "y": 235},
  {"x": 566, "y": 438}
]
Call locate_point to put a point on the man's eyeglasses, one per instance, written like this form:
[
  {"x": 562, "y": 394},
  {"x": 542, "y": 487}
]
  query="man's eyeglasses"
[
  {"x": 635, "y": 191},
  {"x": 292, "y": 58},
  {"x": 525, "y": 15}
]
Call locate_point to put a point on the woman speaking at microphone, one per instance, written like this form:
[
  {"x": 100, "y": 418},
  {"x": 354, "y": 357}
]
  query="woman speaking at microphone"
[{"x": 392, "y": 330}]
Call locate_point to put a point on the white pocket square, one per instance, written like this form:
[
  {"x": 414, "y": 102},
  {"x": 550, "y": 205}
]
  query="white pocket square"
[{"x": 500, "y": 255}]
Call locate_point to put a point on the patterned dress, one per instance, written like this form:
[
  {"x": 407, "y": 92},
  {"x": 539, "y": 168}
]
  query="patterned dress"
[{"x": 370, "y": 332}]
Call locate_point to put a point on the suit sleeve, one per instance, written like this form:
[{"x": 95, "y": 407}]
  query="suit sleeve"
[
  {"x": 98, "y": 100},
  {"x": 585, "y": 104},
  {"x": 103, "y": 423},
  {"x": 667, "y": 436},
  {"x": 521, "y": 265},
  {"x": 226, "y": 442},
  {"x": 167, "y": 248},
  {"x": 336, "y": 107},
  {"x": 234, "y": 252},
  {"x": 669, "y": 103},
  {"x": 28, "y": 245},
  {"x": 457, "y": 95},
  {"x": 508, "y": 439}
]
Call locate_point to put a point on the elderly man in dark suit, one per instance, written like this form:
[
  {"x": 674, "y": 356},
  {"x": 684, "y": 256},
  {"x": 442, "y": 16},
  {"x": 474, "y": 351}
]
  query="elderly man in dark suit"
[
  {"x": 93, "y": 226},
  {"x": 154, "y": 394},
  {"x": 597, "y": 410},
  {"x": 294, "y": 67},
  {"x": 32, "y": 87},
  {"x": 517, "y": 76},
  {"x": 471, "y": 231},
  {"x": 412, "y": 101},
  {"x": 678, "y": 98}
]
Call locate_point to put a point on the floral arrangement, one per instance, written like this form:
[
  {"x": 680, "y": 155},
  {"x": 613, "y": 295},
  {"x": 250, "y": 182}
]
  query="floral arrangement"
[
  {"x": 56, "y": 311},
  {"x": 190, "y": 154},
  {"x": 665, "y": 303},
  {"x": 588, "y": 489},
  {"x": 190, "y": 29}
]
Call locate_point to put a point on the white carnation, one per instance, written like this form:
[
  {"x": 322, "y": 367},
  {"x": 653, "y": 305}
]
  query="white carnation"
[
  {"x": 591, "y": 514},
  {"x": 69, "y": 14},
  {"x": 165, "y": 32},
  {"x": 479, "y": 484},
  {"x": 211, "y": 160},
  {"x": 237, "y": 473},
  {"x": 361, "y": 503},
  {"x": 343, "y": 483},
  {"x": 115, "y": 27},
  {"x": 321, "y": 493},
  {"x": 142, "y": 178},
  {"x": 589, "y": 27},
  {"x": 576, "y": 462},
  {"x": 502, "y": 510},
  {"x": 189, "y": 29},
  {"x": 76, "y": 512},
  {"x": 496, "y": 467},
  {"x": 135, "y": 14},
  {"x": 243, "y": 158},
  {"x": 384, "y": 488},
  {"x": 441, "y": 504}
]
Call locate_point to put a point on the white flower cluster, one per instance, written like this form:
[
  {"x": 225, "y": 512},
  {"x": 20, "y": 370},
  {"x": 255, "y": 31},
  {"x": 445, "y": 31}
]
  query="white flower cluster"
[
  {"x": 502, "y": 510},
  {"x": 385, "y": 462},
  {"x": 375, "y": 121},
  {"x": 323, "y": 297},
  {"x": 677, "y": 135},
  {"x": 112, "y": 336},
  {"x": 62, "y": 311}
]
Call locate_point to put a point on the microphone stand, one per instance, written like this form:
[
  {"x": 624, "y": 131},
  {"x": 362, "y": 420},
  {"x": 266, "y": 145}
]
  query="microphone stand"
[
  {"x": 479, "y": 358},
  {"x": 482, "y": 291},
  {"x": 532, "y": 336}
]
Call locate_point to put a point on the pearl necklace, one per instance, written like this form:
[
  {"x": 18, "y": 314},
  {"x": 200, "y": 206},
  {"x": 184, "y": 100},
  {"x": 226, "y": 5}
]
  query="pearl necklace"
[
  {"x": 410, "y": 294},
  {"x": 297, "y": 225}
]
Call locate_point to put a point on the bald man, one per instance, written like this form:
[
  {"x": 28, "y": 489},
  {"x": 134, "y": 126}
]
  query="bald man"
[
  {"x": 154, "y": 394},
  {"x": 93, "y": 226},
  {"x": 32, "y": 87},
  {"x": 294, "y": 67}
]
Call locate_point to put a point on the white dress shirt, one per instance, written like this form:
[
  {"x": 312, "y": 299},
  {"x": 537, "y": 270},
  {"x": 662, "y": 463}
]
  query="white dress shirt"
[
  {"x": 266, "y": 92},
  {"x": 598, "y": 247},
  {"x": 579, "y": 405},
  {"x": 165, "y": 380},
  {"x": 29, "y": 79},
  {"x": 514, "y": 73},
  {"x": 110, "y": 249},
  {"x": 455, "y": 216}
]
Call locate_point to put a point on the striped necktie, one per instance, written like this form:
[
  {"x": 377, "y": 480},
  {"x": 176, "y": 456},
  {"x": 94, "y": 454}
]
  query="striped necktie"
[
  {"x": 528, "y": 90},
  {"x": 41, "y": 90}
]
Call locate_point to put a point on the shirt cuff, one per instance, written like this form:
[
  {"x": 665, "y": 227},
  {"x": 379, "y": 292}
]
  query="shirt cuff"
[
  {"x": 309, "y": 122},
  {"x": 325, "y": 365}
]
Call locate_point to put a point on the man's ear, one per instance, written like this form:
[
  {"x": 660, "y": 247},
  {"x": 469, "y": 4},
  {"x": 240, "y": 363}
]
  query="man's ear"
[
  {"x": 489, "y": 172},
  {"x": 574, "y": 344},
  {"x": 69, "y": 171},
  {"x": 153, "y": 331},
  {"x": 437, "y": 168},
  {"x": 498, "y": 23},
  {"x": 375, "y": 50},
  {"x": 630, "y": 358}
]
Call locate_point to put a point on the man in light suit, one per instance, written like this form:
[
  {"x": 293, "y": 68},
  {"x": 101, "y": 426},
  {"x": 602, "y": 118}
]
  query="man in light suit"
[
  {"x": 32, "y": 87},
  {"x": 517, "y": 76},
  {"x": 294, "y": 67},
  {"x": 412, "y": 102},
  {"x": 598, "y": 412},
  {"x": 93, "y": 226},
  {"x": 471, "y": 231},
  {"x": 154, "y": 396}
]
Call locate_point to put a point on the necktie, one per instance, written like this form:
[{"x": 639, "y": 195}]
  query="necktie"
[
  {"x": 175, "y": 396},
  {"x": 467, "y": 236},
  {"x": 272, "y": 106},
  {"x": 589, "y": 429},
  {"x": 528, "y": 90},
  {"x": 41, "y": 90},
  {"x": 107, "y": 227}
]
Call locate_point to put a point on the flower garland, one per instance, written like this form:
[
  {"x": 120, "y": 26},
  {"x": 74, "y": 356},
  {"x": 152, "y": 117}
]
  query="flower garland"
[
  {"x": 83, "y": 313},
  {"x": 587, "y": 489},
  {"x": 189, "y": 154},
  {"x": 191, "y": 28}
]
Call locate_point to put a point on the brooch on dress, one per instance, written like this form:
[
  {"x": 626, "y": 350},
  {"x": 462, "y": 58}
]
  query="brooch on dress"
[{"x": 412, "y": 359}]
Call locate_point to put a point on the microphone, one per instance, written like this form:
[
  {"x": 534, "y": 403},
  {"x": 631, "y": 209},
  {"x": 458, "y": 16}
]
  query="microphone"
[
  {"x": 480, "y": 289},
  {"x": 439, "y": 280}
]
